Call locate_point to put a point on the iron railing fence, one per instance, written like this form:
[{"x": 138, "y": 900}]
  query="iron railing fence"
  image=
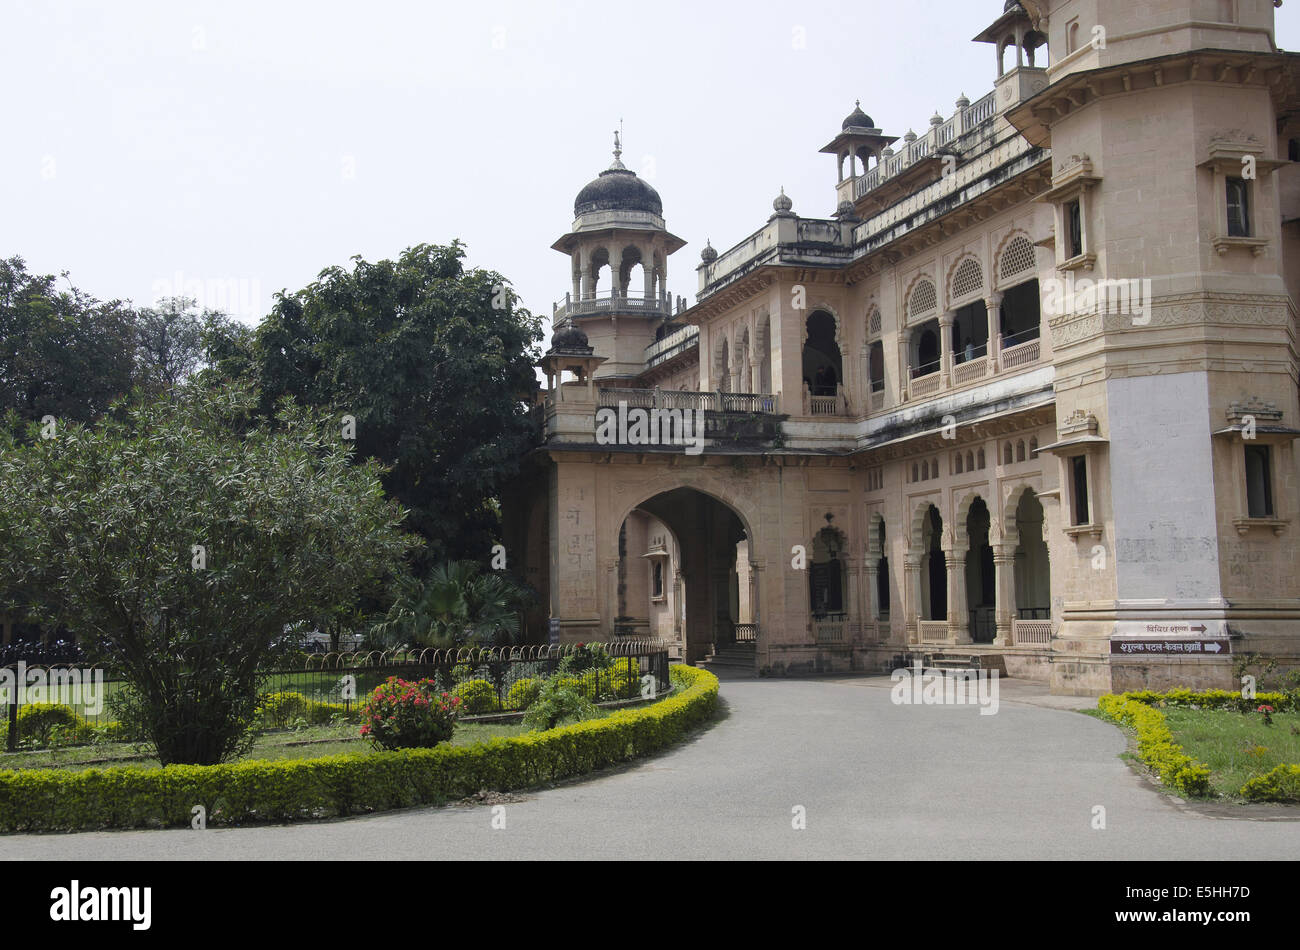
[{"x": 317, "y": 689}]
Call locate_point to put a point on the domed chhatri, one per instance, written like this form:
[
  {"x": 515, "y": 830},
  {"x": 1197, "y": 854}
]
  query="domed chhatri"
[
  {"x": 782, "y": 203},
  {"x": 857, "y": 119},
  {"x": 569, "y": 339},
  {"x": 709, "y": 254},
  {"x": 617, "y": 189}
]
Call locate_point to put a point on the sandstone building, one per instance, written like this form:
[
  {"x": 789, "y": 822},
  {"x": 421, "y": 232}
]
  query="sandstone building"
[{"x": 1028, "y": 395}]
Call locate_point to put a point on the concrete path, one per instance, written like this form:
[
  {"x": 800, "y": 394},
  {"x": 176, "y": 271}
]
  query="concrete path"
[{"x": 875, "y": 780}]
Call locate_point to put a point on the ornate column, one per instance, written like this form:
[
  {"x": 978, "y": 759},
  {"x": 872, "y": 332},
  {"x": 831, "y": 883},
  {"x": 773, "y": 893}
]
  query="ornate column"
[
  {"x": 872, "y": 571},
  {"x": 954, "y": 562},
  {"x": 905, "y": 364},
  {"x": 945, "y": 345},
  {"x": 994, "y": 309},
  {"x": 912, "y": 596},
  {"x": 584, "y": 258},
  {"x": 1004, "y": 592},
  {"x": 678, "y": 603},
  {"x": 616, "y": 274},
  {"x": 576, "y": 269}
]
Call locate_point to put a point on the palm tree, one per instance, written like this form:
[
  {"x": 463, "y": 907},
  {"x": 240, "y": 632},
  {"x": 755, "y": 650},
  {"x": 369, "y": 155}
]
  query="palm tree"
[{"x": 456, "y": 605}]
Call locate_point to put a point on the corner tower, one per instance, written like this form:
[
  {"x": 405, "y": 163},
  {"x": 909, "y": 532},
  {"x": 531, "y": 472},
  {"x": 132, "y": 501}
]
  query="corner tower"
[{"x": 618, "y": 249}]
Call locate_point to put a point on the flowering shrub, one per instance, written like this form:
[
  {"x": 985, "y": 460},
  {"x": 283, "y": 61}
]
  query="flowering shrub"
[
  {"x": 1268, "y": 711},
  {"x": 404, "y": 715}
]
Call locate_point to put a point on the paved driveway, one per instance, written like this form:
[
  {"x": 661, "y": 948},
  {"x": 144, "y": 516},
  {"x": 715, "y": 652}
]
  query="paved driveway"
[{"x": 875, "y": 780}]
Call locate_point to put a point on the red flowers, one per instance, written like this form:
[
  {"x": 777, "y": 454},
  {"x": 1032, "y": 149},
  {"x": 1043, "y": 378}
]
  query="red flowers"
[{"x": 400, "y": 714}]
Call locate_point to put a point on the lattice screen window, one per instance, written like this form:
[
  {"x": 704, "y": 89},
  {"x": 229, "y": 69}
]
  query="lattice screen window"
[
  {"x": 873, "y": 323},
  {"x": 923, "y": 299},
  {"x": 1017, "y": 259},
  {"x": 968, "y": 279}
]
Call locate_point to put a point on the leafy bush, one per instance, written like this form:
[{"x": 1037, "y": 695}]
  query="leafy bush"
[
  {"x": 585, "y": 657},
  {"x": 403, "y": 715},
  {"x": 477, "y": 696},
  {"x": 288, "y": 789},
  {"x": 39, "y": 723},
  {"x": 278, "y": 710},
  {"x": 560, "y": 700},
  {"x": 523, "y": 693},
  {"x": 1282, "y": 784}
]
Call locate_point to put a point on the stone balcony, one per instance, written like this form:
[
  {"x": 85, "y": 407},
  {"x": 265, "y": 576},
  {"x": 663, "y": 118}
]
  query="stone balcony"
[
  {"x": 608, "y": 302},
  {"x": 574, "y": 415}
]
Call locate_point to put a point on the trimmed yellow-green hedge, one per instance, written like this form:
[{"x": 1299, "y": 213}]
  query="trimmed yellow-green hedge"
[
  {"x": 1281, "y": 784},
  {"x": 1156, "y": 745},
  {"x": 126, "y": 797}
]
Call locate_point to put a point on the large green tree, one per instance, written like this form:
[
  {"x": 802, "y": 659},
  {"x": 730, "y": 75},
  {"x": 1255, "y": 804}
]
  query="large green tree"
[
  {"x": 181, "y": 535},
  {"x": 62, "y": 352},
  {"x": 434, "y": 361}
]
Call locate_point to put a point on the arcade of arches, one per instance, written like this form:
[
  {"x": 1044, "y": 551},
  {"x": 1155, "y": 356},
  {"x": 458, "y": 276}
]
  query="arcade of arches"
[{"x": 720, "y": 560}]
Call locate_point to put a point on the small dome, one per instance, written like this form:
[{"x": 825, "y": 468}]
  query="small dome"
[
  {"x": 858, "y": 119},
  {"x": 845, "y": 209},
  {"x": 569, "y": 338},
  {"x": 782, "y": 202},
  {"x": 617, "y": 189},
  {"x": 709, "y": 254},
  {"x": 962, "y": 101}
]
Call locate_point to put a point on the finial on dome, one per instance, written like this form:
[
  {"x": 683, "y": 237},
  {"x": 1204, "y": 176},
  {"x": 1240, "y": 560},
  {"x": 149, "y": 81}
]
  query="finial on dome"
[{"x": 618, "y": 152}]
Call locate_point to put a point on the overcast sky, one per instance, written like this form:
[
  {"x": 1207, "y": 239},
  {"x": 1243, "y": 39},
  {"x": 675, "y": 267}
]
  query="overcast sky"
[{"x": 241, "y": 147}]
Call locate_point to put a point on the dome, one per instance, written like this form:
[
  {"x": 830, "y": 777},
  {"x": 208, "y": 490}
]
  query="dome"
[
  {"x": 782, "y": 203},
  {"x": 709, "y": 254},
  {"x": 858, "y": 119},
  {"x": 617, "y": 189},
  {"x": 568, "y": 339}
]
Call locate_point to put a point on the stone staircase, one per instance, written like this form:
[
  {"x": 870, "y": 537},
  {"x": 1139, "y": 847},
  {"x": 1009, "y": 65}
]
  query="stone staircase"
[{"x": 732, "y": 660}]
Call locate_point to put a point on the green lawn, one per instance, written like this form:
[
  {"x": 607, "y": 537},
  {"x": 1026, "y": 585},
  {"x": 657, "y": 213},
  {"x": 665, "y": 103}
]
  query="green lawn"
[
  {"x": 278, "y": 745},
  {"x": 1236, "y": 747}
]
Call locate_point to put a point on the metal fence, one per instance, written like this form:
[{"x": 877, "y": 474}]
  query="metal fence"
[{"x": 319, "y": 689}]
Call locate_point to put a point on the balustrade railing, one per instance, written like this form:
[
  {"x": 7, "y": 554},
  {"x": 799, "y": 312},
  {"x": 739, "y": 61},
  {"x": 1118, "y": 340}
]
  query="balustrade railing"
[
  {"x": 933, "y": 631},
  {"x": 830, "y": 628},
  {"x": 1021, "y": 355},
  {"x": 966, "y": 120},
  {"x": 925, "y": 385},
  {"x": 1031, "y": 632},
  {"x": 746, "y": 633},
  {"x": 679, "y": 399}
]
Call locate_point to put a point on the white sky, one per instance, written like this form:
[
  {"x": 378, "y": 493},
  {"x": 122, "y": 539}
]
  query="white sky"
[{"x": 246, "y": 146}]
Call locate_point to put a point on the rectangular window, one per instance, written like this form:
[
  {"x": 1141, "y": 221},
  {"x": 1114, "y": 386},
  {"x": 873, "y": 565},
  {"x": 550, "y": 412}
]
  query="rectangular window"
[
  {"x": 1259, "y": 482},
  {"x": 1079, "y": 484},
  {"x": 1074, "y": 221},
  {"x": 1238, "y": 208}
]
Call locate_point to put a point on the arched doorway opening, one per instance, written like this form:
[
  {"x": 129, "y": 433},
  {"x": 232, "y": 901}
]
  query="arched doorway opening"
[
  {"x": 1033, "y": 575},
  {"x": 823, "y": 368},
  {"x": 934, "y": 568},
  {"x": 827, "y": 575},
  {"x": 980, "y": 578},
  {"x": 700, "y": 572}
]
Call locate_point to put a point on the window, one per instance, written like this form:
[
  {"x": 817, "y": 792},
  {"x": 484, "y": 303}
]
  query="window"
[
  {"x": 1074, "y": 221},
  {"x": 876, "y": 367},
  {"x": 1079, "y": 488},
  {"x": 658, "y": 579},
  {"x": 1259, "y": 482},
  {"x": 1238, "y": 208}
]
